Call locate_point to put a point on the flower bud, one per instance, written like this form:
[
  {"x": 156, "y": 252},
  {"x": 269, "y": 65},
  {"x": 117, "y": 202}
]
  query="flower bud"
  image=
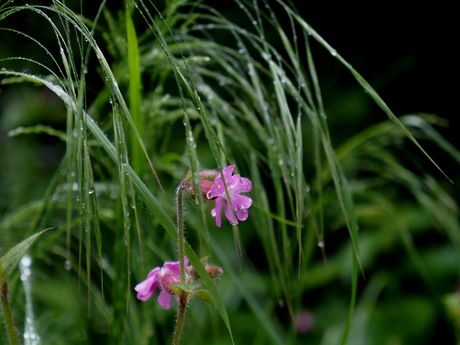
[
  {"x": 206, "y": 182},
  {"x": 212, "y": 270}
]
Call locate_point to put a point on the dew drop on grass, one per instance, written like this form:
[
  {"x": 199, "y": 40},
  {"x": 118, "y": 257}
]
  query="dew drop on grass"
[
  {"x": 30, "y": 334},
  {"x": 68, "y": 264},
  {"x": 25, "y": 264},
  {"x": 333, "y": 52},
  {"x": 320, "y": 244},
  {"x": 91, "y": 191}
]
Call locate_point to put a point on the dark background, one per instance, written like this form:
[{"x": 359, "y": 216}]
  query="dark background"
[{"x": 406, "y": 50}]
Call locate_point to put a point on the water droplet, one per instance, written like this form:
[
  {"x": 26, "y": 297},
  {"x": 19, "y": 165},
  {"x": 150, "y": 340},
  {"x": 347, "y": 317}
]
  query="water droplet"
[
  {"x": 68, "y": 264},
  {"x": 24, "y": 266},
  {"x": 320, "y": 244},
  {"x": 254, "y": 22},
  {"x": 26, "y": 261},
  {"x": 333, "y": 52},
  {"x": 266, "y": 56}
]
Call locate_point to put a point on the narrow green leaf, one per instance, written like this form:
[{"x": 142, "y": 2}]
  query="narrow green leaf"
[
  {"x": 204, "y": 295},
  {"x": 134, "y": 92},
  {"x": 10, "y": 260}
]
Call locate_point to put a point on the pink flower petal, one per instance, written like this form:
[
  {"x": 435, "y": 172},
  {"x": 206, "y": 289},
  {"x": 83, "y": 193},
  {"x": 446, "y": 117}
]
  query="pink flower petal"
[
  {"x": 216, "y": 212},
  {"x": 242, "y": 214},
  {"x": 170, "y": 267},
  {"x": 229, "y": 213},
  {"x": 146, "y": 288},
  {"x": 245, "y": 185},
  {"x": 241, "y": 202},
  {"x": 164, "y": 299}
]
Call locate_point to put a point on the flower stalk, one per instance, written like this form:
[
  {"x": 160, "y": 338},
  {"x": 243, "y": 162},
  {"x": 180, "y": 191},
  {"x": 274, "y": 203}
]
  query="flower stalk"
[
  {"x": 7, "y": 314},
  {"x": 183, "y": 298},
  {"x": 181, "y": 309},
  {"x": 180, "y": 232}
]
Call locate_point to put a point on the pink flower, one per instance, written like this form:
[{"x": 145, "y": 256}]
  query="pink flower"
[
  {"x": 161, "y": 278},
  {"x": 235, "y": 205}
]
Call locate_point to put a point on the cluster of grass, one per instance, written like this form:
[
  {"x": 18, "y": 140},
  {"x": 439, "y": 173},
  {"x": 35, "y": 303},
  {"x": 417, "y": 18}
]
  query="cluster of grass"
[{"x": 359, "y": 236}]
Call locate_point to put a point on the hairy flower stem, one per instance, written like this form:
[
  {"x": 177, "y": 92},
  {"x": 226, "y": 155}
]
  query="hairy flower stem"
[
  {"x": 181, "y": 309},
  {"x": 7, "y": 315},
  {"x": 180, "y": 232},
  {"x": 182, "y": 305}
]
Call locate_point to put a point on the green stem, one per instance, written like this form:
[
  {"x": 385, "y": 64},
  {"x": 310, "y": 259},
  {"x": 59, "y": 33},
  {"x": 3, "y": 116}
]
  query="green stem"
[
  {"x": 180, "y": 233},
  {"x": 7, "y": 315},
  {"x": 181, "y": 309}
]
